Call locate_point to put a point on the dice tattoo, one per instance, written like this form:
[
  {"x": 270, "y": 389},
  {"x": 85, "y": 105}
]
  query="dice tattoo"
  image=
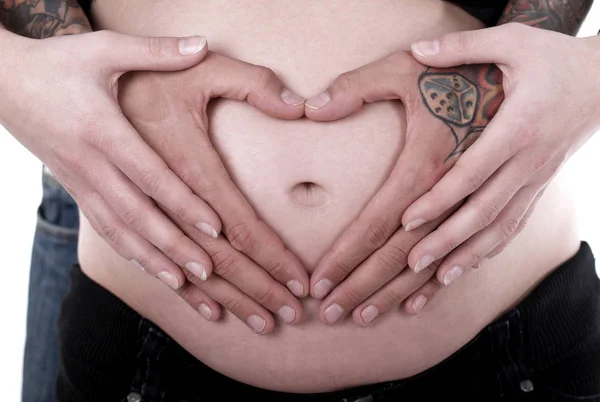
[{"x": 450, "y": 96}]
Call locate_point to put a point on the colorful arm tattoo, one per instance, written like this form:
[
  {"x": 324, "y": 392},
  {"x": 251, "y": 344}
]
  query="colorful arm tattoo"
[
  {"x": 466, "y": 98},
  {"x": 41, "y": 19}
]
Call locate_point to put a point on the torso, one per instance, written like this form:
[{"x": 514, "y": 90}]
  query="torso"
[{"x": 308, "y": 44}]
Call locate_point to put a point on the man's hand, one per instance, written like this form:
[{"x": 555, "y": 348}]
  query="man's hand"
[
  {"x": 169, "y": 112},
  {"x": 446, "y": 112},
  {"x": 549, "y": 112}
]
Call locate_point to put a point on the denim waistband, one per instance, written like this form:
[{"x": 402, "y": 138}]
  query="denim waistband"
[{"x": 505, "y": 359}]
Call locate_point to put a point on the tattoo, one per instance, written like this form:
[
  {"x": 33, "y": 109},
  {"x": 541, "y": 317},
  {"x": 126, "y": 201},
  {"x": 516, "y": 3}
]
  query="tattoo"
[
  {"x": 41, "y": 19},
  {"x": 465, "y": 98},
  {"x": 563, "y": 16}
]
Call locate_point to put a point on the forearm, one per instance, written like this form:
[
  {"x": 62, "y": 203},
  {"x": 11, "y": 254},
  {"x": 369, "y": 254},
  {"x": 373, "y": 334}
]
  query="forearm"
[
  {"x": 41, "y": 19},
  {"x": 564, "y": 16}
]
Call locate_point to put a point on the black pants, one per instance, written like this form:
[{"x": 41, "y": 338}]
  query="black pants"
[{"x": 546, "y": 349}]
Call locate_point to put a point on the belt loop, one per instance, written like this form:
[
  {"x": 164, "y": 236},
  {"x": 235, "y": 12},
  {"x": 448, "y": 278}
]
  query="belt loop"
[{"x": 508, "y": 353}]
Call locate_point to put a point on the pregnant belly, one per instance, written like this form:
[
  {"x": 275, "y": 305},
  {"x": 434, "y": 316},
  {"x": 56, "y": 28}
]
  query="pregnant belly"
[{"x": 308, "y": 181}]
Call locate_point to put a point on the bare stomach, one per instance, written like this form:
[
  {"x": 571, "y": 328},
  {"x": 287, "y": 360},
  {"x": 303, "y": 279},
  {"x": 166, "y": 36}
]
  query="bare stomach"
[{"x": 308, "y": 44}]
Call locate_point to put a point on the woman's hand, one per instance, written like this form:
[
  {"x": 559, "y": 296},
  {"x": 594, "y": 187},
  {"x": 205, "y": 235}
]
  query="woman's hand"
[
  {"x": 446, "y": 111},
  {"x": 552, "y": 87},
  {"x": 251, "y": 266},
  {"x": 60, "y": 100}
]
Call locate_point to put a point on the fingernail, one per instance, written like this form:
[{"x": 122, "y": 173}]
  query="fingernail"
[
  {"x": 191, "y": 45},
  {"x": 412, "y": 225},
  {"x": 419, "y": 303},
  {"x": 137, "y": 264},
  {"x": 322, "y": 288},
  {"x": 426, "y": 48},
  {"x": 291, "y": 98},
  {"x": 168, "y": 279},
  {"x": 423, "y": 263},
  {"x": 317, "y": 102},
  {"x": 287, "y": 313},
  {"x": 207, "y": 229},
  {"x": 333, "y": 313},
  {"x": 257, "y": 323},
  {"x": 369, "y": 314},
  {"x": 296, "y": 288},
  {"x": 451, "y": 275},
  {"x": 205, "y": 311},
  {"x": 197, "y": 269}
]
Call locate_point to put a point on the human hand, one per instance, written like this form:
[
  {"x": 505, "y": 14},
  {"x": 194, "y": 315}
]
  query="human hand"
[
  {"x": 551, "y": 109},
  {"x": 169, "y": 112},
  {"x": 446, "y": 111}
]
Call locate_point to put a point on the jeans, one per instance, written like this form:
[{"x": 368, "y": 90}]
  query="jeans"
[
  {"x": 546, "y": 349},
  {"x": 54, "y": 252}
]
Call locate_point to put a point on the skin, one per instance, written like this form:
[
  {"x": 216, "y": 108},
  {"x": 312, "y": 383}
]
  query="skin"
[
  {"x": 364, "y": 272},
  {"x": 123, "y": 186}
]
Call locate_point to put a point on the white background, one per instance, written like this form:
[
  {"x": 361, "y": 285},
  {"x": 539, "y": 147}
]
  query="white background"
[{"x": 20, "y": 194}]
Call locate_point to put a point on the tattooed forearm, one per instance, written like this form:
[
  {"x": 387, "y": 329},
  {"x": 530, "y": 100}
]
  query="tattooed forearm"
[
  {"x": 563, "y": 16},
  {"x": 41, "y": 19},
  {"x": 465, "y": 98}
]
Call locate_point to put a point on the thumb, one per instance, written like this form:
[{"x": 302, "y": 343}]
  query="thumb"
[
  {"x": 492, "y": 45},
  {"x": 138, "y": 53}
]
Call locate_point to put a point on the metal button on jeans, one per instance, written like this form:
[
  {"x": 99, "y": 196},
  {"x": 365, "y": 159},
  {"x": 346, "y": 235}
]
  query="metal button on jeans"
[
  {"x": 526, "y": 386},
  {"x": 134, "y": 397}
]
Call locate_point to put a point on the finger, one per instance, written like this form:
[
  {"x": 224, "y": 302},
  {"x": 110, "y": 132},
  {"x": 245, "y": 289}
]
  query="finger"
[
  {"x": 243, "y": 307},
  {"x": 415, "y": 303},
  {"x": 392, "y": 295},
  {"x": 520, "y": 227},
  {"x": 142, "y": 216},
  {"x": 258, "y": 85},
  {"x": 471, "y": 171},
  {"x": 382, "y": 266},
  {"x": 245, "y": 275},
  {"x": 386, "y": 79},
  {"x": 200, "y": 301},
  {"x": 473, "y": 251},
  {"x": 138, "y": 161},
  {"x": 378, "y": 221},
  {"x": 243, "y": 229},
  {"x": 491, "y": 45},
  {"x": 127, "y": 243},
  {"x": 124, "y": 53},
  {"x": 481, "y": 209}
]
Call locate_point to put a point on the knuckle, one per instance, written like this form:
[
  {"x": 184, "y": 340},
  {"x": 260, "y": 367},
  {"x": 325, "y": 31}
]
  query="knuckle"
[
  {"x": 449, "y": 243},
  {"x": 225, "y": 265},
  {"x": 510, "y": 226},
  {"x": 171, "y": 247},
  {"x": 343, "y": 268},
  {"x": 202, "y": 183},
  {"x": 354, "y": 296},
  {"x": 472, "y": 180},
  {"x": 486, "y": 214},
  {"x": 267, "y": 297},
  {"x": 111, "y": 233},
  {"x": 156, "y": 46},
  {"x": 264, "y": 77},
  {"x": 377, "y": 233},
  {"x": 133, "y": 219},
  {"x": 240, "y": 237},
  {"x": 391, "y": 297},
  {"x": 463, "y": 41},
  {"x": 476, "y": 254},
  {"x": 234, "y": 304},
  {"x": 150, "y": 183},
  {"x": 348, "y": 81},
  {"x": 392, "y": 259}
]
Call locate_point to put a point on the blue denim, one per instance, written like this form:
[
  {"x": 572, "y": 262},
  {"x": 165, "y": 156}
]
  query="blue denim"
[{"x": 54, "y": 253}]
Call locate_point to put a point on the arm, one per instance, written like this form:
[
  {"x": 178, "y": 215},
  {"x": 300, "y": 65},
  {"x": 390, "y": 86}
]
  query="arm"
[{"x": 40, "y": 19}]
